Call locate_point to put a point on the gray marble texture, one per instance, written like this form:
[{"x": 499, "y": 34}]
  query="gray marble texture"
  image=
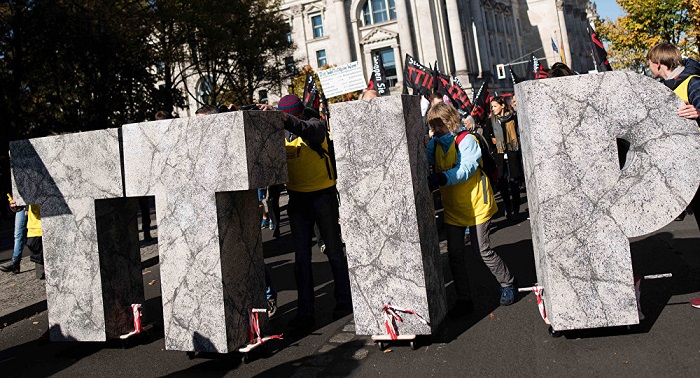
[
  {"x": 387, "y": 213},
  {"x": 204, "y": 172},
  {"x": 90, "y": 237},
  {"x": 583, "y": 207}
]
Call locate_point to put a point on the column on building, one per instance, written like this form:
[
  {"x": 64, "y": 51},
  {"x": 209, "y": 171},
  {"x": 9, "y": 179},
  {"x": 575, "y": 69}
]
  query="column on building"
[
  {"x": 342, "y": 48},
  {"x": 564, "y": 33},
  {"x": 425, "y": 29},
  {"x": 405, "y": 37},
  {"x": 480, "y": 36},
  {"x": 459, "y": 54}
]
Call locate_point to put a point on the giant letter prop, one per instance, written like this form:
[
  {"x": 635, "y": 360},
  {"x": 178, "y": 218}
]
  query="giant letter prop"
[
  {"x": 90, "y": 236},
  {"x": 204, "y": 172},
  {"x": 583, "y": 207},
  {"x": 387, "y": 214}
]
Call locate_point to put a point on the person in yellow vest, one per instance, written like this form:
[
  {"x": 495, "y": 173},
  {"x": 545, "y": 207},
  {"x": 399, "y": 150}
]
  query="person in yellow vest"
[
  {"x": 34, "y": 241},
  {"x": 313, "y": 199},
  {"x": 468, "y": 200},
  {"x": 683, "y": 77}
]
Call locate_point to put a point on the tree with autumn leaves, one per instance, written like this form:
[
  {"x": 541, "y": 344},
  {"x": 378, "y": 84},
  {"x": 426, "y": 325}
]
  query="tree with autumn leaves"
[{"x": 646, "y": 23}]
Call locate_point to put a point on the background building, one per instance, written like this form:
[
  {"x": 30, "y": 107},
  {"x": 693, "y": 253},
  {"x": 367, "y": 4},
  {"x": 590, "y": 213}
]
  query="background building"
[{"x": 467, "y": 38}]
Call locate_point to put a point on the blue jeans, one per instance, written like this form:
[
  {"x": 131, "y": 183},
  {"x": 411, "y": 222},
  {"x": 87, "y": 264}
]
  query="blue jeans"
[{"x": 20, "y": 233}]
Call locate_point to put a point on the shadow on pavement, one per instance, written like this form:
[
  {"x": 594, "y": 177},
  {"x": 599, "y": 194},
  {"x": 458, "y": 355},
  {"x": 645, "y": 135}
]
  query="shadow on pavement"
[{"x": 337, "y": 362}]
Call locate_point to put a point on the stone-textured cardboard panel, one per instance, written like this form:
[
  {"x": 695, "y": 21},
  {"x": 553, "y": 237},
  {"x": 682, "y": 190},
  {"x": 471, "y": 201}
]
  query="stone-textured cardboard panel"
[
  {"x": 387, "y": 213},
  {"x": 583, "y": 207},
  {"x": 204, "y": 172},
  {"x": 90, "y": 237}
]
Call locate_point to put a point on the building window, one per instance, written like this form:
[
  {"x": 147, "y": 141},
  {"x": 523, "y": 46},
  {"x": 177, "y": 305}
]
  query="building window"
[
  {"x": 204, "y": 88},
  {"x": 321, "y": 58},
  {"x": 289, "y": 31},
  {"x": 389, "y": 62},
  {"x": 262, "y": 96},
  {"x": 317, "y": 24},
  {"x": 289, "y": 65},
  {"x": 375, "y": 11}
]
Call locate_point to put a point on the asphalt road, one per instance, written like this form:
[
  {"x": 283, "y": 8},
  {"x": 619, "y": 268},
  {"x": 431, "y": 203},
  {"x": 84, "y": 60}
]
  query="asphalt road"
[{"x": 490, "y": 341}]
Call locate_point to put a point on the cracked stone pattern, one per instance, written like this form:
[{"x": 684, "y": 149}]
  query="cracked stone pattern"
[
  {"x": 583, "y": 208},
  {"x": 387, "y": 213},
  {"x": 204, "y": 172},
  {"x": 90, "y": 236}
]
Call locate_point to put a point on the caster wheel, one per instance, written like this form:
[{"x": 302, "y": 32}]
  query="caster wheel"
[
  {"x": 554, "y": 333},
  {"x": 414, "y": 344},
  {"x": 381, "y": 345},
  {"x": 247, "y": 358},
  {"x": 191, "y": 355}
]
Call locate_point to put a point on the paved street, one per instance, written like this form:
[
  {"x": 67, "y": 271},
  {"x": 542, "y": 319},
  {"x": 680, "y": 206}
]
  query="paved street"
[{"x": 490, "y": 341}]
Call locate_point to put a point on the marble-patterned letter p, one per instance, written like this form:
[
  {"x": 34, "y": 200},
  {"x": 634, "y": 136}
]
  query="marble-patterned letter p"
[{"x": 583, "y": 206}]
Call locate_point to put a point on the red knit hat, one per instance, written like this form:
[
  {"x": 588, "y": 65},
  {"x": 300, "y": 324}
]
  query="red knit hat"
[{"x": 291, "y": 104}]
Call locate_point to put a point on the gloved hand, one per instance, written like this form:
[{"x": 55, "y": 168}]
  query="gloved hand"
[{"x": 436, "y": 180}]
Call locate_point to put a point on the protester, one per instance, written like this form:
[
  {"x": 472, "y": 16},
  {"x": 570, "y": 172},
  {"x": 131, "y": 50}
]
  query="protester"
[
  {"x": 273, "y": 207},
  {"x": 468, "y": 201},
  {"x": 313, "y": 198},
  {"x": 502, "y": 130},
  {"x": 560, "y": 69},
  {"x": 681, "y": 75},
  {"x": 206, "y": 110},
  {"x": 262, "y": 193},
  {"x": 20, "y": 236},
  {"x": 370, "y": 94}
]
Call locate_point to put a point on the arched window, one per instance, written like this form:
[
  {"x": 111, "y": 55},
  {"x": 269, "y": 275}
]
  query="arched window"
[
  {"x": 376, "y": 11},
  {"x": 204, "y": 88}
]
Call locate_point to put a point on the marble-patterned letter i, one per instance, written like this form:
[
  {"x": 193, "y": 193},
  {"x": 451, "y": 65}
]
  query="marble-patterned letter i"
[
  {"x": 204, "y": 172},
  {"x": 583, "y": 206},
  {"x": 90, "y": 237},
  {"x": 387, "y": 213}
]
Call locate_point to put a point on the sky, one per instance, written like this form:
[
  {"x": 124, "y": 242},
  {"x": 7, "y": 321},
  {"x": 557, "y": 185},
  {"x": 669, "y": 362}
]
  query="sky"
[{"x": 608, "y": 9}]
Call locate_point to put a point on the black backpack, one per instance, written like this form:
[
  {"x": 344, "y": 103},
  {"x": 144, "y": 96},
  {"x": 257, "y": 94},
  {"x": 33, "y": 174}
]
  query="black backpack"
[{"x": 488, "y": 164}]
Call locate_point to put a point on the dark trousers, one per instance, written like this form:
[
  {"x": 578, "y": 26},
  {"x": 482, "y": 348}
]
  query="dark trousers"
[
  {"x": 481, "y": 244},
  {"x": 510, "y": 192},
  {"x": 695, "y": 205},
  {"x": 305, "y": 209},
  {"x": 145, "y": 208},
  {"x": 273, "y": 204}
]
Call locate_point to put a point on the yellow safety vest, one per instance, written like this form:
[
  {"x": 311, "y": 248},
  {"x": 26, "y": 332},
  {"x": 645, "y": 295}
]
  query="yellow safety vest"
[
  {"x": 682, "y": 88},
  {"x": 33, "y": 221},
  {"x": 468, "y": 203},
  {"x": 308, "y": 171}
]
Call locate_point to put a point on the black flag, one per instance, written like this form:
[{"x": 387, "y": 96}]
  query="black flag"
[
  {"x": 459, "y": 97},
  {"x": 533, "y": 68},
  {"x": 417, "y": 77},
  {"x": 481, "y": 107},
  {"x": 599, "y": 53},
  {"x": 311, "y": 98},
  {"x": 377, "y": 81},
  {"x": 513, "y": 76}
]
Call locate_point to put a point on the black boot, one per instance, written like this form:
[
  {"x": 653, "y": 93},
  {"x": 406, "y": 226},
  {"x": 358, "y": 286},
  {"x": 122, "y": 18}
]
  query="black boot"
[{"x": 12, "y": 266}]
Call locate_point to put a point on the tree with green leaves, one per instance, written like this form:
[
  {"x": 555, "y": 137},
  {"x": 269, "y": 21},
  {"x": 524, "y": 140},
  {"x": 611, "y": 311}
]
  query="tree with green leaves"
[{"x": 646, "y": 23}]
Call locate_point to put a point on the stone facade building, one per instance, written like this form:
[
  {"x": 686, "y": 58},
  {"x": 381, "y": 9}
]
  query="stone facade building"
[{"x": 465, "y": 37}]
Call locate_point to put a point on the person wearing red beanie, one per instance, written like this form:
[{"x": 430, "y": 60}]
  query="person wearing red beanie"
[{"x": 313, "y": 199}]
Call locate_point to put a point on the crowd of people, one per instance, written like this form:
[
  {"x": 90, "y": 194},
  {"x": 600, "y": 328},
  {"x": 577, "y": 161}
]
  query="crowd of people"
[{"x": 470, "y": 163}]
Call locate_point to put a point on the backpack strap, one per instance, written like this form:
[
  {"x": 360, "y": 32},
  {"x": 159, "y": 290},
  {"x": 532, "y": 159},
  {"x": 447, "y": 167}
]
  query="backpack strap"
[{"x": 460, "y": 136}]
